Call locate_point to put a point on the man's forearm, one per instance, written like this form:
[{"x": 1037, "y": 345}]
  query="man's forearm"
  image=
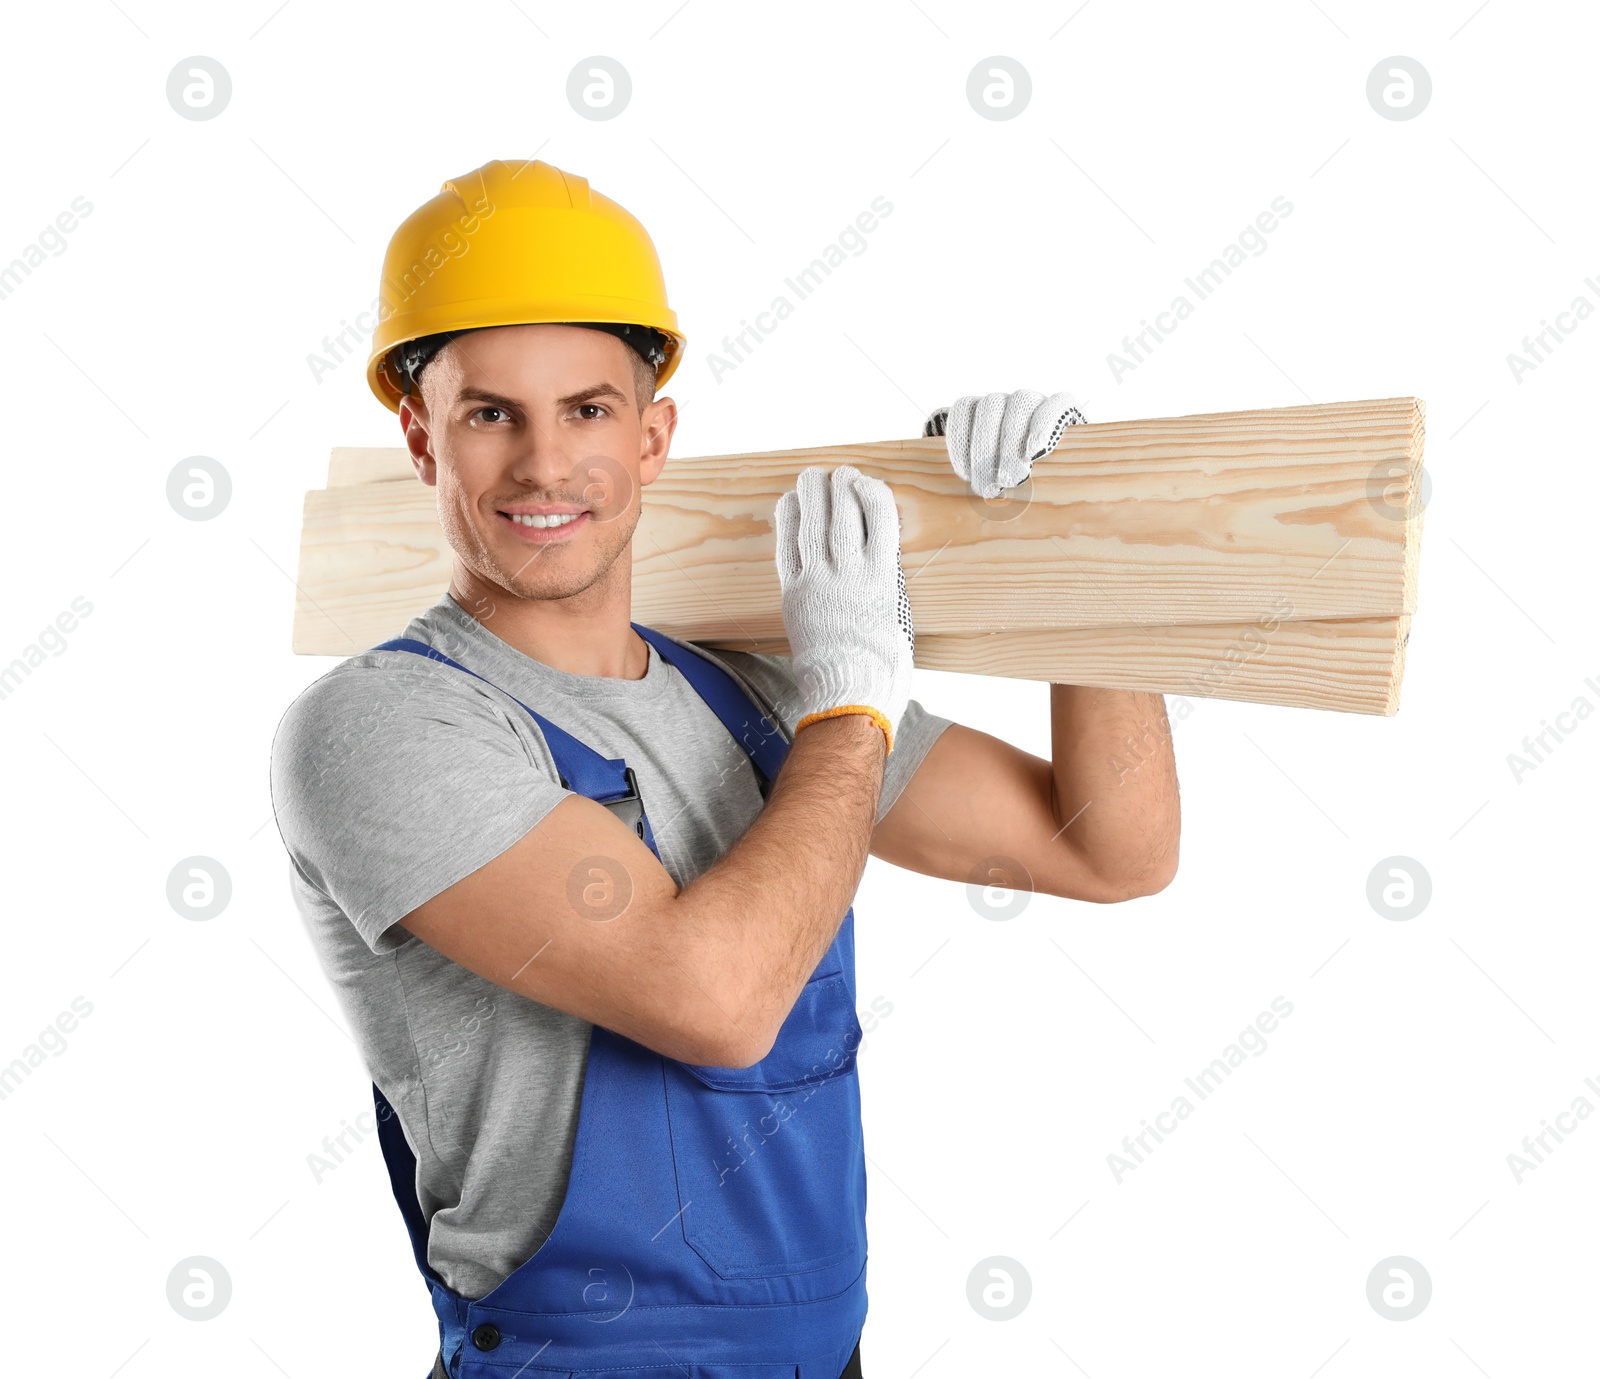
[
  {"x": 1115, "y": 784},
  {"x": 767, "y": 910}
]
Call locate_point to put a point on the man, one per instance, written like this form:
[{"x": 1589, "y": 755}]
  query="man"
[{"x": 584, "y": 890}]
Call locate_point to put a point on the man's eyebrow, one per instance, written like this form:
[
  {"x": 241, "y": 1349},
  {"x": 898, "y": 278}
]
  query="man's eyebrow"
[
  {"x": 483, "y": 395},
  {"x": 594, "y": 390}
]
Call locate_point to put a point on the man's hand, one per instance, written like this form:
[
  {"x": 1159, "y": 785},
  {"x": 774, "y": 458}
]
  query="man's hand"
[
  {"x": 994, "y": 439},
  {"x": 844, "y": 597}
]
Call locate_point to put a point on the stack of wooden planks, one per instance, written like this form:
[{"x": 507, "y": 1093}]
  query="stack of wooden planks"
[{"x": 1267, "y": 556}]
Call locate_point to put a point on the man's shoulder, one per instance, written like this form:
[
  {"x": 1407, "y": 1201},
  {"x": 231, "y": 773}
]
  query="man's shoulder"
[
  {"x": 394, "y": 676},
  {"x": 373, "y": 677},
  {"x": 373, "y": 695}
]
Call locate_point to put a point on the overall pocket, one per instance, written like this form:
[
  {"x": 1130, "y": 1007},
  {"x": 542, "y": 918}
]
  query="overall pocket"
[{"x": 770, "y": 1172}]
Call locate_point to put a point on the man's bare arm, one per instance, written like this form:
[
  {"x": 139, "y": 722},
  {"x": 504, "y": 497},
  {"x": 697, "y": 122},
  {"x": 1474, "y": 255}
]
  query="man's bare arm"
[
  {"x": 1098, "y": 822},
  {"x": 706, "y": 974}
]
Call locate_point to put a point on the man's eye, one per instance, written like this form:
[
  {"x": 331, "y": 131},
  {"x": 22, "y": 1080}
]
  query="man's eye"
[
  {"x": 591, "y": 407},
  {"x": 491, "y": 413}
]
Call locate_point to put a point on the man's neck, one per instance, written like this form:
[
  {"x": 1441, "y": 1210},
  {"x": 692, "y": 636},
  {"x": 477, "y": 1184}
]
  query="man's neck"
[{"x": 589, "y": 634}]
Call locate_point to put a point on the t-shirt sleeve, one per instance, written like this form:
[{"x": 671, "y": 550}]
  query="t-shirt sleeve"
[
  {"x": 389, "y": 785},
  {"x": 919, "y": 729}
]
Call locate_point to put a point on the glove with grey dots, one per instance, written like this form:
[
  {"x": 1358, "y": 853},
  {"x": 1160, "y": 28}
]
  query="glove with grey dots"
[{"x": 994, "y": 439}]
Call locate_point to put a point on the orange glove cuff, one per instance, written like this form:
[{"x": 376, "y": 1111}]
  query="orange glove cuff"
[{"x": 872, "y": 713}]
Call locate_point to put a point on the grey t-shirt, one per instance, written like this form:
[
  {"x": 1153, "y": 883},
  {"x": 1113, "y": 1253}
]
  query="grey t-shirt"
[{"x": 394, "y": 776}]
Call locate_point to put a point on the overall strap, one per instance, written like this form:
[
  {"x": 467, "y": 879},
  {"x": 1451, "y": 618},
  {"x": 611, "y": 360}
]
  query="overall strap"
[
  {"x": 581, "y": 769},
  {"x": 402, "y": 1166},
  {"x": 751, "y": 729}
]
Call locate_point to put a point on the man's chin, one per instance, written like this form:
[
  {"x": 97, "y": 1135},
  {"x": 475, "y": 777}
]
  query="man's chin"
[
  {"x": 545, "y": 590},
  {"x": 549, "y": 577}
]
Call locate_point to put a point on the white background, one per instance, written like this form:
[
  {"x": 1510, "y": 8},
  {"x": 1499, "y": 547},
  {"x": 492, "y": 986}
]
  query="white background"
[{"x": 178, "y": 320}]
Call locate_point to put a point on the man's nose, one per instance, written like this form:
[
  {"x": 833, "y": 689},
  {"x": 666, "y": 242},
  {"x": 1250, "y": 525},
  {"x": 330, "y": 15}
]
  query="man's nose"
[{"x": 545, "y": 463}]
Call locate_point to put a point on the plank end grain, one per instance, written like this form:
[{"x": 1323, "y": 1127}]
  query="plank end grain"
[{"x": 354, "y": 464}]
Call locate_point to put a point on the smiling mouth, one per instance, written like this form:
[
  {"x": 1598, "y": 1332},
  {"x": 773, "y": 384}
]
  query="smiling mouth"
[
  {"x": 537, "y": 519},
  {"x": 541, "y": 528}
]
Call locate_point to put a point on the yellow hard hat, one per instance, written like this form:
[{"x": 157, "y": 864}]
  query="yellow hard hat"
[{"x": 517, "y": 244}]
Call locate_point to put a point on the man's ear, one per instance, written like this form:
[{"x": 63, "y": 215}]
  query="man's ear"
[
  {"x": 656, "y": 425},
  {"x": 414, "y": 423}
]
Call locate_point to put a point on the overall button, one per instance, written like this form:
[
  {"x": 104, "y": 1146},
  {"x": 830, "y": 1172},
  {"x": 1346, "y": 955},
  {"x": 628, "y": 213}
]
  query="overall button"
[{"x": 486, "y": 1337}]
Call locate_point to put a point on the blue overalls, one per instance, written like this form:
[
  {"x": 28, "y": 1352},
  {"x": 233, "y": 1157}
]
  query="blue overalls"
[{"x": 714, "y": 1223}]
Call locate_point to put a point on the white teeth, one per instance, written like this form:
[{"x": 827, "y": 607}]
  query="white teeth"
[{"x": 555, "y": 519}]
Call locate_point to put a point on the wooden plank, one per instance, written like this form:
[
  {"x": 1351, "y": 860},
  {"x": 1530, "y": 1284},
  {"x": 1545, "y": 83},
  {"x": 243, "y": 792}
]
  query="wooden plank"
[
  {"x": 1352, "y": 665},
  {"x": 366, "y": 569},
  {"x": 1144, "y": 555},
  {"x": 1200, "y": 519}
]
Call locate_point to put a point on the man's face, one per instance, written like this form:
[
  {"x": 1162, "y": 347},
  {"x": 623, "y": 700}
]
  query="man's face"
[{"x": 535, "y": 441}]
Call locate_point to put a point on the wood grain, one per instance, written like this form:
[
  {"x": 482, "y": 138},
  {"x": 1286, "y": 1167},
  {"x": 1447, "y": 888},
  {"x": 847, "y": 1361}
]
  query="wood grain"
[{"x": 1136, "y": 556}]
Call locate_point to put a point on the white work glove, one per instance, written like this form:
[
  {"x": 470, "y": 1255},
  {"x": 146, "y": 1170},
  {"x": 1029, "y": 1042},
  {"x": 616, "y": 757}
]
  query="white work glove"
[
  {"x": 993, "y": 440},
  {"x": 844, "y": 597}
]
